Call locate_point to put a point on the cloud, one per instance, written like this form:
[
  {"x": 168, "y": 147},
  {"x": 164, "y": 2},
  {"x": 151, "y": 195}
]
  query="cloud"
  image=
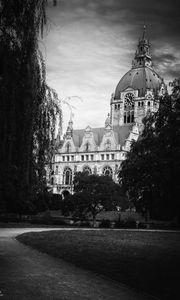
[{"x": 89, "y": 46}]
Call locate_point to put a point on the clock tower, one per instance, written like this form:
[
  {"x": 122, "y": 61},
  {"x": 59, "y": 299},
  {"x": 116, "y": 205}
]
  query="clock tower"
[{"x": 138, "y": 90}]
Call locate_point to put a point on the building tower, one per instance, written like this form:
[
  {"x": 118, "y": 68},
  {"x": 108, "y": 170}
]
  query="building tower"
[
  {"x": 101, "y": 150},
  {"x": 137, "y": 91}
]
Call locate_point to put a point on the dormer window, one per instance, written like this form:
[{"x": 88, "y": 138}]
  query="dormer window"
[
  {"x": 68, "y": 147},
  {"x": 87, "y": 147},
  {"x": 108, "y": 145}
]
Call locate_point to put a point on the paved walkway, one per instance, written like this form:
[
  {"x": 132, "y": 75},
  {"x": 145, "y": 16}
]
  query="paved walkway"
[{"x": 29, "y": 274}]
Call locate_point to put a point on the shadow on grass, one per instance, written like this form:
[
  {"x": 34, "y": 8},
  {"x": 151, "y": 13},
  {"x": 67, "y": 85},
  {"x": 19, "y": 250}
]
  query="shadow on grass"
[{"x": 147, "y": 261}]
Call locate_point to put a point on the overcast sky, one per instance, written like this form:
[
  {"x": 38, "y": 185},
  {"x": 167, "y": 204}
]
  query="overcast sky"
[{"x": 89, "y": 45}]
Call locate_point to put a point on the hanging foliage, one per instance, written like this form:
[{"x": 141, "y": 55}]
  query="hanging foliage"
[{"x": 28, "y": 106}]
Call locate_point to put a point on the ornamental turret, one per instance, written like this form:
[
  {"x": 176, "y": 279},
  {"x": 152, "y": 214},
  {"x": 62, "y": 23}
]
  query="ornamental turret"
[
  {"x": 138, "y": 90},
  {"x": 142, "y": 56},
  {"x": 69, "y": 131}
]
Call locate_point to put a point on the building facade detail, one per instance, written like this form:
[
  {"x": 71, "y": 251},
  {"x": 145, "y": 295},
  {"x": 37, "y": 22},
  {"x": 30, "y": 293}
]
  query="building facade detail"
[{"x": 101, "y": 150}]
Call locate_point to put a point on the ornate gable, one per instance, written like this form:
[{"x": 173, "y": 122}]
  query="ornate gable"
[
  {"x": 88, "y": 142},
  {"x": 133, "y": 136},
  {"x": 68, "y": 145},
  {"x": 108, "y": 141}
]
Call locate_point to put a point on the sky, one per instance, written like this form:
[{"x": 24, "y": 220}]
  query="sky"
[{"x": 89, "y": 45}]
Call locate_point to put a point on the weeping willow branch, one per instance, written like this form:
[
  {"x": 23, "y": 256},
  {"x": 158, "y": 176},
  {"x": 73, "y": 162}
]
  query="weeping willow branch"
[{"x": 28, "y": 107}]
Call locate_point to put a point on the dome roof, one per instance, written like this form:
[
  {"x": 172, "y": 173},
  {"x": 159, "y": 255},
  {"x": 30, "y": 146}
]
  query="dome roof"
[{"x": 140, "y": 79}]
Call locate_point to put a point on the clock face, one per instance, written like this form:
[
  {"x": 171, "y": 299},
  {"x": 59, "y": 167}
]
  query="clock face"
[{"x": 129, "y": 99}]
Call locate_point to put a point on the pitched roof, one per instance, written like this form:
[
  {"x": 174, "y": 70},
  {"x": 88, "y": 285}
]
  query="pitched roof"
[{"x": 121, "y": 133}]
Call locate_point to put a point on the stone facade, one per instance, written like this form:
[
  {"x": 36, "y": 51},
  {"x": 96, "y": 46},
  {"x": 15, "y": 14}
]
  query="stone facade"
[{"x": 101, "y": 150}]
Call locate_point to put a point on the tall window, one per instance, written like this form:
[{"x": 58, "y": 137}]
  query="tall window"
[
  {"x": 68, "y": 147},
  {"x": 129, "y": 109},
  {"x": 56, "y": 172},
  {"x": 128, "y": 116},
  {"x": 67, "y": 176},
  {"x": 107, "y": 171},
  {"x": 87, "y": 147},
  {"x": 87, "y": 170}
]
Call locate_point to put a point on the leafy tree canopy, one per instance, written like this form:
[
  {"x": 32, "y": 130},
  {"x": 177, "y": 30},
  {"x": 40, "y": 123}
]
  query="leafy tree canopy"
[
  {"x": 28, "y": 106},
  {"x": 150, "y": 172},
  {"x": 92, "y": 193}
]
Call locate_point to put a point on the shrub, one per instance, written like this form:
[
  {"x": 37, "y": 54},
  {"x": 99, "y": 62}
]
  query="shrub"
[
  {"x": 118, "y": 224},
  {"x": 129, "y": 223},
  {"x": 105, "y": 223},
  {"x": 85, "y": 224}
]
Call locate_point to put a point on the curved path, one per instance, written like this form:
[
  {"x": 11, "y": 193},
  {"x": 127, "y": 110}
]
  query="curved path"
[{"x": 29, "y": 274}]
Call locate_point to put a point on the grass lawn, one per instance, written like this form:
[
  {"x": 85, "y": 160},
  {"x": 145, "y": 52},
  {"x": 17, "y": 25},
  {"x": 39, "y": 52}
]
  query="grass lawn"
[{"x": 147, "y": 261}]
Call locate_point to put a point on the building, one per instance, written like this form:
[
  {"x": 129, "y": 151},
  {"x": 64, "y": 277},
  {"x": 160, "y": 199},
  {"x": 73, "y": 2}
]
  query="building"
[{"x": 101, "y": 150}]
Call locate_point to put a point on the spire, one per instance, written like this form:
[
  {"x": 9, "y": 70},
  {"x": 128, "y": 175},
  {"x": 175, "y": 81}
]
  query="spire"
[
  {"x": 69, "y": 131},
  {"x": 108, "y": 121},
  {"x": 142, "y": 56},
  {"x": 144, "y": 33}
]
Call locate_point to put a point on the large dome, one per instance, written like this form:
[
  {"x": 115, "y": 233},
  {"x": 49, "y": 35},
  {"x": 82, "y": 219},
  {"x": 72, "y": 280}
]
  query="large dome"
[{"x": 140, "y": 79}]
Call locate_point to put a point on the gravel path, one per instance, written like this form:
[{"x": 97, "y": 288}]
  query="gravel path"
[{"x": 29, "y": 274}]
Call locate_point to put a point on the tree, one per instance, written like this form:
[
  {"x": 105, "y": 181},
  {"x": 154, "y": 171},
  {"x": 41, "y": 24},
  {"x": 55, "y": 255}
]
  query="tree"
[
  {"x": 150, "y": 172},
  {"x": 92, "y": 193},
  {"x": 28, "y": 106}
]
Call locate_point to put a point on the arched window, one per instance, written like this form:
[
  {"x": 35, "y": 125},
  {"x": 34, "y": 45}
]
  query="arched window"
[
  {"x": 129, "y": 113},
  {"x": 128, "y": 117},
  {"x": 67, "y": 176},
  {"x": 108, "y": 145},
  {"x": 68, "y": 147},
  {"x": 107, "y": 171},
  {"x": 56, "y": 171},
  {"x": 87, "y": 170}
]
